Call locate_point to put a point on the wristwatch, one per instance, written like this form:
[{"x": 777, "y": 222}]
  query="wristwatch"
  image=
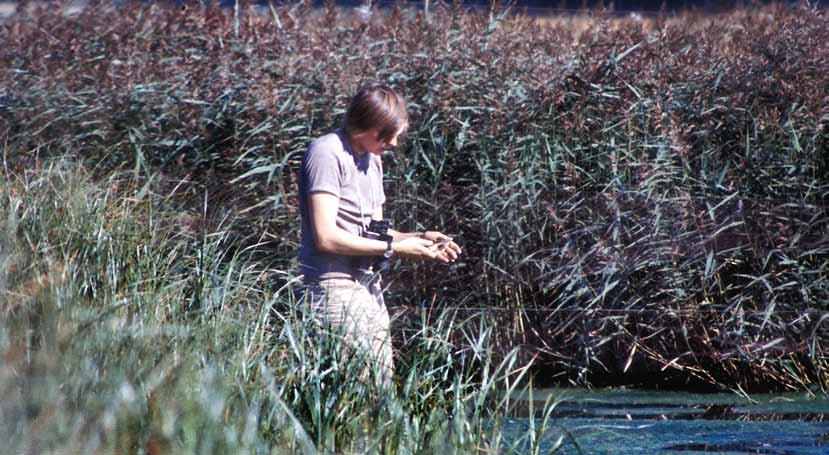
[{"x": 387, "y": 254}]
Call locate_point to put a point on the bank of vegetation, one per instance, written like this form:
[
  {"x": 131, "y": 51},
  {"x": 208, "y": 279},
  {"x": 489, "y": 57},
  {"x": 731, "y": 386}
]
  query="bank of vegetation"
[
  {"x": 124, "y": 333},
  {"x": 639, "y": 200}
]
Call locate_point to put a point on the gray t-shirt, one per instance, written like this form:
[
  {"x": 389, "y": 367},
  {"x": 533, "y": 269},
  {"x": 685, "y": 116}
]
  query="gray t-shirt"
[{"x": 331, "y": 166}]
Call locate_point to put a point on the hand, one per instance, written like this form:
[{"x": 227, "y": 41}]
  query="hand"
[
  {"x": 434, "y": 236},
  {"x": 447, "y": 250},
  {"x": 415, "y": 247}
]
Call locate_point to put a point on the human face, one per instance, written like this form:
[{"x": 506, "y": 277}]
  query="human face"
[{"x": 370, "y": 141}]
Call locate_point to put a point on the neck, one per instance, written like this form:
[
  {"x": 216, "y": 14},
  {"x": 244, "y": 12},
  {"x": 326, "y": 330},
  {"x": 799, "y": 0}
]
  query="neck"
[
  {"x": 358, "y": 142},
  {"x": 356, "y": 146}
]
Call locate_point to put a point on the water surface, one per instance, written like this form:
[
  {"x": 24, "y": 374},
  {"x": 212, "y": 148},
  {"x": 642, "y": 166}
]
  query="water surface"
[{"x": 675, "y": 423}]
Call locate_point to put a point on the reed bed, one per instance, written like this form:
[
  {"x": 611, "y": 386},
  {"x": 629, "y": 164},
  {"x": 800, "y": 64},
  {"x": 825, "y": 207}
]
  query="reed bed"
[
  {"x": 639, "y": 201},
  {"x": 123, "y": 333}
]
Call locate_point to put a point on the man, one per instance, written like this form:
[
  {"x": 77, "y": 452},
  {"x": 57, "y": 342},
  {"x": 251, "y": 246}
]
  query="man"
[{"x": 341, "y": 192}]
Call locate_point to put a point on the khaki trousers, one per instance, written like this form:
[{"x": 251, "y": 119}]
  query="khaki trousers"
[{"x": 359, "y": 314}]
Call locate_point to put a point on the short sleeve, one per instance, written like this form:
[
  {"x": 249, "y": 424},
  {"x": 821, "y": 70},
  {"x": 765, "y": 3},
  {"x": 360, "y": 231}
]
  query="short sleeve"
[{"x": 321, "y": 169}]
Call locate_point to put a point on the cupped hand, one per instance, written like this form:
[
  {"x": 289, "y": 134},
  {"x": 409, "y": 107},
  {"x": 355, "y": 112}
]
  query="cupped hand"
[
  {"x": 447, "y": 250},
  {"x": 415, "y": 247}
]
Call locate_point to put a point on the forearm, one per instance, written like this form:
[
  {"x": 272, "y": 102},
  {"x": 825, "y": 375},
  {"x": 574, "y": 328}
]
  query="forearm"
[
  {"x": 398, "y": 236},
  {"x": 339, "y": 241}
]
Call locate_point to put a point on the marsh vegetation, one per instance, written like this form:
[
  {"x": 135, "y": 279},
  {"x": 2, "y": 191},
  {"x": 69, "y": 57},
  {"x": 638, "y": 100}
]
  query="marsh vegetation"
[{"x": 639, "y": 201}]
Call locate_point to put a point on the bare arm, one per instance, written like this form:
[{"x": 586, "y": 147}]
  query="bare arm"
[
  {"x": 443, "y": 245},
  {"x": 329, "y": 238}
]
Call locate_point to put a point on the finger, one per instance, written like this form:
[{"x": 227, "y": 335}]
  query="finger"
[
  {"x": 429, "y": 252},
  {"x": 436, "y": 236},
  {"x": 440, "y": 236},
  {"x": 444, "y": 248},
  {"x": 424, "y": 242},
  {"x": 451, "y": 254},
  {"x": 440, "y": 246},
  {"x": 448, "y": 255},
  {"x": 452, "y": 246}
]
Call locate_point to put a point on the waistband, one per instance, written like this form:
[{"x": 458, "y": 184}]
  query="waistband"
[{"x": 364, "y": 279}]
